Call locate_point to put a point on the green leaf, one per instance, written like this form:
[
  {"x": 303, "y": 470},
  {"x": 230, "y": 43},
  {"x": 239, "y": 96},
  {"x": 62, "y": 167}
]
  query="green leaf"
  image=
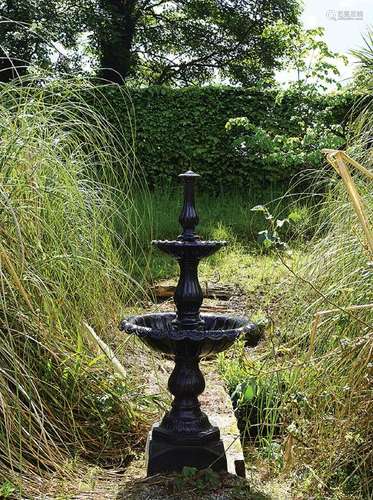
[
  {"x": 249, "y": 393},
  {"x": 189, "y": 471}
]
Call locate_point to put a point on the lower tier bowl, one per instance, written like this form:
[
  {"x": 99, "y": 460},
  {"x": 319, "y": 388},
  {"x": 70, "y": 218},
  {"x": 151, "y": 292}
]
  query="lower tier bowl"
[{"x": 158, "y": 331}]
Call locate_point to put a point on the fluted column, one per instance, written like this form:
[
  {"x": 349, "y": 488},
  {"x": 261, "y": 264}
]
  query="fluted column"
[
  {"x": 188, "y": 294},
  {"x": 186, "y": 383}
]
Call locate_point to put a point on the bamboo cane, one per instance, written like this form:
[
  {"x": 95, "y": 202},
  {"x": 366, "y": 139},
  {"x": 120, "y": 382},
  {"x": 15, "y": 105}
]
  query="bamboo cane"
[
  {"x": 348, "y": 159},
  {"x": 117, "y": 365},
  {"x": 338, "y": 161},
  {"x": 317, "y": 317}
]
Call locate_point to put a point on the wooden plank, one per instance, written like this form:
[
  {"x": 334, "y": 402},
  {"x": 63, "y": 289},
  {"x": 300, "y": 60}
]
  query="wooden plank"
[{"x": 166, "y": 289}]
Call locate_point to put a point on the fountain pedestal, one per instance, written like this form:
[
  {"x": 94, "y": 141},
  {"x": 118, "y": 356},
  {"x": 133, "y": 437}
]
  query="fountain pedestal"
[
  {"x": 185, "y": 436},
  {"x": 162, "y": 456}
]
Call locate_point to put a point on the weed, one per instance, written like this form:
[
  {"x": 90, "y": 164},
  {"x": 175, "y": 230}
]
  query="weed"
[{"x": 7, "y": 489}]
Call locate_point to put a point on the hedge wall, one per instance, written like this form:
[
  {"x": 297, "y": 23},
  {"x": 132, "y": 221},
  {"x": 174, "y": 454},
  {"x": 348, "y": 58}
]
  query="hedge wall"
[{"x": 181, "y": 129}]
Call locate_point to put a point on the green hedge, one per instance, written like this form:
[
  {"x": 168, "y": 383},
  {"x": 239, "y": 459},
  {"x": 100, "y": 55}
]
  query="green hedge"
[{"x": 181, "y": 129}]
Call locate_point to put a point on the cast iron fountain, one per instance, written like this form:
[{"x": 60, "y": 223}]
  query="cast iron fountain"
[{"x": 185, "y": 436}]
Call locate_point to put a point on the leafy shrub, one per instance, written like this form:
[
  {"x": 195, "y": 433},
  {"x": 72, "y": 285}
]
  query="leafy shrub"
[
  {"x": 277, "y": 157},
  {"x": 180, "y": 129}
]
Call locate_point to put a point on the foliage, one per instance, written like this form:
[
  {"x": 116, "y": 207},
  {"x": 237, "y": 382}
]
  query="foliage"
[
  {"x": 173, "y": 40},
  {"x": 180, "y": 129},
  {"x": 324, "y": 407},
  {"x": 270, "y": 237},
  {"x": 62, "y": 263},
  {"x": 162, "y": 42},
  {"x": 306, "y": 406},
  {"x": 199, "y": 480},
  {"x": 257, "y": 401},
  {"x": 321, "y": 395},
  {"x": 364, "y": 75},
  {"x": 29, "y": 31},
  {"x": 280, "y": 156},
  {"x": 153, "y": 41},
  {"x": 281, "y": 152},
  {"x": 7, "y": 489},
  {"x": 323, "y": 401},
  {"x": 193, "y": 484},
  {"x": 306, "y": 52}
]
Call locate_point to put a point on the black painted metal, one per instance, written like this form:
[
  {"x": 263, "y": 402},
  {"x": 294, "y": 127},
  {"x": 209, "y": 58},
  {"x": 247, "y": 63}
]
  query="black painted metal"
[
  {"x": 188, "y": 251},
  {"x": 188, "y": 217},
  {"x": 158, "y": 331},
  {"x": 185, "y": 435}
]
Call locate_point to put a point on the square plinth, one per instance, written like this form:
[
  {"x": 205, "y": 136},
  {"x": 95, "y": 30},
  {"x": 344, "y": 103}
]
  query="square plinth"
[{"x": 163, "y": 457}]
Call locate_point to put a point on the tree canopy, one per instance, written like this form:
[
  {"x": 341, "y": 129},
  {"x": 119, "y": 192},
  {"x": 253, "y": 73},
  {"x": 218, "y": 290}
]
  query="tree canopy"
[
  {"x": 150, "y": 41},
  {"x": 192, "y": 41},
  {"x": 29, "y": 29}
]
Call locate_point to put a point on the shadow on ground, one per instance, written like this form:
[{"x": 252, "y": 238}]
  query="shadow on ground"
[{"x": 222, "y": 486}]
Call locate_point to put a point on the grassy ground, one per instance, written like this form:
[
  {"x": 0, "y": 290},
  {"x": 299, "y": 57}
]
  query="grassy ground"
[{"x": 228, "y": 216}]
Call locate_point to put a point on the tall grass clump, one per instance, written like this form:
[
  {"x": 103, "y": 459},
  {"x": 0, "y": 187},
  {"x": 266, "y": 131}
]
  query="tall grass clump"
[
  {"x": 335, "y": 380},
  {"x": 63, "y": 263},
  {"x": 333, "y": 430},
  {"x": 306, "y": 396}
]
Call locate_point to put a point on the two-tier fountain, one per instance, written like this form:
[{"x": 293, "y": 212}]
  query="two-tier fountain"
[{"x": 185, "y": 436}]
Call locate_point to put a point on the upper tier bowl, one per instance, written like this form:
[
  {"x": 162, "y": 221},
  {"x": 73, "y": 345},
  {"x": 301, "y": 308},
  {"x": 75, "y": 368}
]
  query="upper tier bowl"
[{"x": 198, "y": 249}]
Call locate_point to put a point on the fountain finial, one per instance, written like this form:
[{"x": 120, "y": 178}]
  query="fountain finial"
[{"x": 188, "y": 216}]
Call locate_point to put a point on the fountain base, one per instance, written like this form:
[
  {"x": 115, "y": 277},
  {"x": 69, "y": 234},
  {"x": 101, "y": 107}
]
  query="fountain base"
[
  {"x": 185, "y": 436},
  {"x": 172, "y": 453}
]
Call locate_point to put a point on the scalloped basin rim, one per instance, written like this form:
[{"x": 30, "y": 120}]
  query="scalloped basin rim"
[
  {"x": 191, "y": 243},
  {"x": 159, "y": 325}
]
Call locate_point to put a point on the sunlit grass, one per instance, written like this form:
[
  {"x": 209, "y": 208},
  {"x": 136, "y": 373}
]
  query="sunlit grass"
[
  {"x": 63, "y": 262},
  {"x": 314, "y": 408}
]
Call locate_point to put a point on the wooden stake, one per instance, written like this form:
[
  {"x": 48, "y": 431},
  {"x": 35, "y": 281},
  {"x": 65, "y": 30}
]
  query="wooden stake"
[
  {"x": 338, "y": 160},
  {"x": 119, "y": 368},
  {"x": 355, "y": 199}
]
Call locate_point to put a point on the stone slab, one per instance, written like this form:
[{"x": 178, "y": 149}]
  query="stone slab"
[{"x": 216, "y": 402}]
